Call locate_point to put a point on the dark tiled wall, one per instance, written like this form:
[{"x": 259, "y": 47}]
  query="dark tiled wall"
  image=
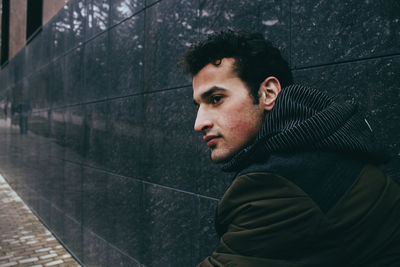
[{"x": 111, "y": 163}]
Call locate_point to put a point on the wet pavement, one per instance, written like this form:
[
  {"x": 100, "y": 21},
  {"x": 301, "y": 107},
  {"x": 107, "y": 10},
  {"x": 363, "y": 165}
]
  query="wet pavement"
[{"x": 24, "y": 240}]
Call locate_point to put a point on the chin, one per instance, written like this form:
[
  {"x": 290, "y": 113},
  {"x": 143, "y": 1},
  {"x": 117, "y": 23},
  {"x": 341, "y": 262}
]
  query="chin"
[{"x": 220, "y": 158}]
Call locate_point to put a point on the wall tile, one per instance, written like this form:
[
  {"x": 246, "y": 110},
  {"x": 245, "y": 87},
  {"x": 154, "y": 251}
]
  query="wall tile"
[
  {"x": 56, "y": 82},
  {"x": 98, "y": 13},
  {"x": 170, "y": 28},
  {"x": 96, "y": 76},
  {"x": 125, "y": 155},
  {"x": 55, "y": 180},
  {"x": 45, "y": 86},
  {"x": 95, "y": 249},
  {"x": 77, "y": 134},
  {"x": 209, "y": 179},
  {"x": 168, "y": 138},
  {"x": 95, "y": 209},
  {"x": 98, "y": 135},
  {"x": 334, "y": 31},
  {"x": 274, "y": 24},
  {"x": 73, "y": 191},
  {"x": 57, "y": 221},
  {"x": 39, "y": 89},
  {"x": 169, "y": 216},
  {"x": 44, "y": 209},
  {"x": 59, "y": 28},
  {"x": 4, "y": 80},
  {"x": 26, "y": 91},
  {"x": 39, "y": 123},
  {"x": 122, "y": 9},
  {"x": 207, "y": 239},
  {"x": 58, "y": 127},
  {"x": 170, "y": 145},
  {"x": 73, "y": 76},
  {"x": 117, "y": 258},
  {"x": 74, "y": 23},
  {"x": 73, "y": 236},
  {"x": 271, "y": 18},
  {"x": 374, "y": 86},
  {"x": 46, "y": 45},
  {"x": 125, "y": 201},
  {"x": 17, "y": 67},
  {"x": 218, "y": 15},
  {"x": 151, "y": 2},
  {"x": 126, "y": 57},
  {"x": 30, "y": 58}
]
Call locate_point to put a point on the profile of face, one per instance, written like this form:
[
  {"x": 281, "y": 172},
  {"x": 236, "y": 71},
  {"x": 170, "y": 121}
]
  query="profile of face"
[{"x": 227, "y": 115}]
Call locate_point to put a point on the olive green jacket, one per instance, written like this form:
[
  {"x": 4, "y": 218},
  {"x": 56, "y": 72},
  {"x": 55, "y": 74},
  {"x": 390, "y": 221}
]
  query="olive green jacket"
[{"x": 270, "y": 221}]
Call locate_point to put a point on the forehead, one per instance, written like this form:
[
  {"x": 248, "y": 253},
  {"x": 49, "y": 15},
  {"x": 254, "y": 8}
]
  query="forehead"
[{"x": 214, "y": 76}]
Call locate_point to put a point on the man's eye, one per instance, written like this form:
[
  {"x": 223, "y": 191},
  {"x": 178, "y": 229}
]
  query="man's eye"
[{"x": 215, "y": 99}]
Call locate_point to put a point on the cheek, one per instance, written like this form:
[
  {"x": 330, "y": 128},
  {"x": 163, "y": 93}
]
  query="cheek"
[{"x": 243, "y": 129}]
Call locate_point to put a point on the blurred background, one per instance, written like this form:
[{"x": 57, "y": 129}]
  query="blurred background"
[{"x": 96, "y": 120}]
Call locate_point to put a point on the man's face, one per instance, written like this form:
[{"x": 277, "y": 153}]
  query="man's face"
[{"x": 227, "y": 116}]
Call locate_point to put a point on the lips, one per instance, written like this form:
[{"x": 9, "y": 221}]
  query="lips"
[{"x": 211, "y": 140}]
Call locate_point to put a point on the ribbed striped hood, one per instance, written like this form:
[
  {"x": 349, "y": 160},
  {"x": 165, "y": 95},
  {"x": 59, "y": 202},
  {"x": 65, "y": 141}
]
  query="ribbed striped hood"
[{"x": 304, "y": 119}]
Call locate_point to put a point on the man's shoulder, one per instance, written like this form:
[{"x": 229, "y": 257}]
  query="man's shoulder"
[{"x": 323, "y": 176}]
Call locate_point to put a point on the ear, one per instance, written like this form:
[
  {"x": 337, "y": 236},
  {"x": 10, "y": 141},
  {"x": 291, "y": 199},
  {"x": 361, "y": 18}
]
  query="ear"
[{"x": 268, "y": 92}]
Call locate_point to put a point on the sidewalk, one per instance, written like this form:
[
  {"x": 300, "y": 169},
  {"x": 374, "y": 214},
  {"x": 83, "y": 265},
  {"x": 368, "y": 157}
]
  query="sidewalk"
[{"x": 24, "y": 241}]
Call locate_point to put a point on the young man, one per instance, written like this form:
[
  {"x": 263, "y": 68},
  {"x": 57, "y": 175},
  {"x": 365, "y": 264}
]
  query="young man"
[{"x": 306, "y": 190}]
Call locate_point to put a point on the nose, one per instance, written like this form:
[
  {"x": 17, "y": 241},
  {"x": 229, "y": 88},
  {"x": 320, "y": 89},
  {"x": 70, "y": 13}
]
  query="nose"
[{"x": 203, "y": 122}]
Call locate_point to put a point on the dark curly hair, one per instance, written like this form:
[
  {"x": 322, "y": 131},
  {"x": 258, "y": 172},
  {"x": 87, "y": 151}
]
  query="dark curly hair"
[{"x": 255, "y": 57}]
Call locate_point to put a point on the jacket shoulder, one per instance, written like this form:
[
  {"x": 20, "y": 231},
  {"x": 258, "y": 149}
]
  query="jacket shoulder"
[{"x": 323, "y": 176}]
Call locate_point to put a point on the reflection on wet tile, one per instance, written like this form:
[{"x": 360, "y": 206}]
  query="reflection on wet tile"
[
  {"x": 73, "y": 76},
  {"x": 274, "y": 24},
  {"x": 56, "y": 82},
  {"x": 58, "y": 123},
  {"x": 98, "y": 12},
  {"x": 126, "y": 153},
  {"x": 39, "y": 123},
  {"x": 126, "y": 57},
  {"x": 38, "y": 89},
  {"x": 98, "y": 135},
  {"x": 74, "y": 23},
  {"x": 76, "y": 134},
  {"x": 354, "y": 30},
  {"x": 169, "y": 31},
  {"x": 168, "y": 138},
  {"x": 59, "y": 30},
  {"x": 151, "y": 2},
  {"x": 122, "y": 9},
  {"x": 271, "y": 18},
  {"x": 96, "y": 76},
  {"x": 217, "y": 15}
]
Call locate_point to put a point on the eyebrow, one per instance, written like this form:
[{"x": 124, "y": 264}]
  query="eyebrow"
[{"x": 208, "y": 93}]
